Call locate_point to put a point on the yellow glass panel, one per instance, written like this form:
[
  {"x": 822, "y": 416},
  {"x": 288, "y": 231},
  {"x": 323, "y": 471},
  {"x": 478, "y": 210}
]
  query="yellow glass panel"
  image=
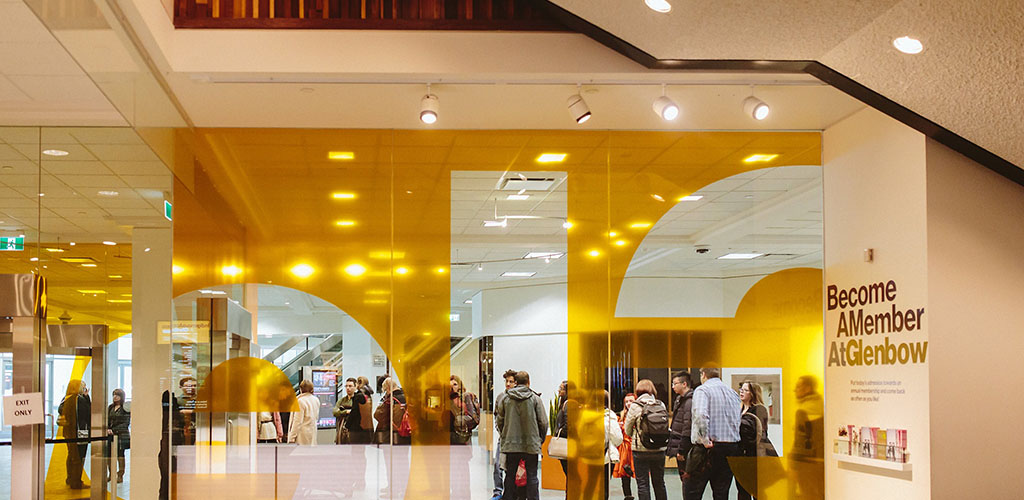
[{"x": 246, "y": 385}]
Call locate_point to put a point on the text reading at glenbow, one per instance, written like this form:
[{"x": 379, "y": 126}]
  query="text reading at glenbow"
[{"x": 863, "y": 313}]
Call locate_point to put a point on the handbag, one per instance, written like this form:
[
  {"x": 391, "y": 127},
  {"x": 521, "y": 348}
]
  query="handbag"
[
  {"x": 521, "y": 474},
  {"x": 558, "y": 447}
]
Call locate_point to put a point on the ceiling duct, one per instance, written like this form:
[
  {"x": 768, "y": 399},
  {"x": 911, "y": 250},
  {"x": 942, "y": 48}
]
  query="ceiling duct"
[{"x": 527, "y": 183}]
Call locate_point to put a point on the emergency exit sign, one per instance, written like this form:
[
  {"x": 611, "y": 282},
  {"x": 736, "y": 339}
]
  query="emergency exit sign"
[
  {"x": 12, "y": 244},
  {"x": 168, "y": 210}
]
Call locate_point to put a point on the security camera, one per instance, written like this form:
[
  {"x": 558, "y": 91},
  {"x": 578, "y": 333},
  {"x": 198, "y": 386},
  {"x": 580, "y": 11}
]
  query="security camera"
[{"x": 702, "y": 249}]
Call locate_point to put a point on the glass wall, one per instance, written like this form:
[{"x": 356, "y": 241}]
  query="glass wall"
[
  {"x": 430, "y": 263},
  {"x": 71, "y": 200}
]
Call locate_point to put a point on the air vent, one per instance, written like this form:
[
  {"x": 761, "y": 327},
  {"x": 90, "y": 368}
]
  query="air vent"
[{"x": 528, "y": 183}]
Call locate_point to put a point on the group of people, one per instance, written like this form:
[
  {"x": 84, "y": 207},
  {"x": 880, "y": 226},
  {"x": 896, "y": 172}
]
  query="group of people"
[{"x": 74, "y": 420}]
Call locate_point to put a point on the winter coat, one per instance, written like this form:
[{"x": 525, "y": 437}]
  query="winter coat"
[
  {"x": 633, "y": 420},
  {"x": 612, "y": 437},
  {"x": 302, "y": 424},
  {"x": 682, "y": 421},
  {"x": 522, "y": 420}
]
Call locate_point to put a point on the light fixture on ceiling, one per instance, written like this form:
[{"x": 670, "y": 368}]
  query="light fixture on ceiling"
[
  {"x": 760, "y": 158},
  {"x": 480, "y": 266},
  {"x": 567, "y": 225},
  {"x": 740, "y": 256},
  {"x": 345, "y": 223},
  {"x": 551, "y": 158},
  {"x": 401, "y": 270},
  {"x": 230, "y": 270},
  {"x": 429, "y": 107},
  {"x": 661, "y": 6},
  {"x": 107, "y": 193},
  {"x": 343, "y": 196},
  {"x": 55, "y": 152},
  {"x": 341, "y": 155},
  {"x": 690, "y": 197},
  {"x": 756, "y": 108},
  {"x": 578, "y": 108},
  {"x": 658, "y": 197},
  {"x": 467, "y": 301},
  {"x": 518, "y": 197},
  {"x": 908, "y": 45},
  {"x": 355, "y": 270},
  {"x": 496, "y": 223},
  {"x": 302, "y": 270},
  {"x": 441, "y": 270},
  {"x": 109, "y": 243},
  {"x": 72, "y": 243},
  {"x": 665, "y": 108},
  {"x": 640, "y": 225},
  {"x": 517, "y": 274}
]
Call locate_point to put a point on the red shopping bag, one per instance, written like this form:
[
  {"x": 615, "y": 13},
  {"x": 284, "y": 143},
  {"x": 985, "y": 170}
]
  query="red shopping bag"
[{"x": 521, "y": 474}]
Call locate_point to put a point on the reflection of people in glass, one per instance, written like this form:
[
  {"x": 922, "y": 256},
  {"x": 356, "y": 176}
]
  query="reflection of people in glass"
[
  {"x": 625, "y": 469},
  {"x": 184, "y": 408},
  {"x": 74, "y": 411},
  {"x": 390, "y": 411},
  {"x": 648, "y": 463},
  {"x": 118, "y": 422},
  {"x": 808, "y": 445},
  {"x": 342, "y": 410},
  {"x": 302, "y": 424},
  {"x": 499, "y": 477}
]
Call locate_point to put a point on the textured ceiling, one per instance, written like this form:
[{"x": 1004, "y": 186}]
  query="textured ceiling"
[{"x": 966, "y": 80}]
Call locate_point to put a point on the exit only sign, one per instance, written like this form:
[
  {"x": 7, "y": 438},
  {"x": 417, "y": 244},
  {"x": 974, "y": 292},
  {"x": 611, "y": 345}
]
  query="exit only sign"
[
  {"x": 12, "y": 244},
  {"x": 23, "y": 409}
]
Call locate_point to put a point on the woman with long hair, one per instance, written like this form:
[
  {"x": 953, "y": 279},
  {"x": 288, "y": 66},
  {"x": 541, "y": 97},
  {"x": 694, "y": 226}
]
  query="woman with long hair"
[
  {"x": 119, "y": 420},
  {"x": 624, "y": 469},
  {"x": 74, "y": 412},
  {"x": 752, "y": 402}
]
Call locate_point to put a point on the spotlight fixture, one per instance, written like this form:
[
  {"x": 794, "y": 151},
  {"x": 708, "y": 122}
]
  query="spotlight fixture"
[
  {"x": 665, "y": 107},
  {"x": 661, "y": 6},
  {"x": 578, "y": 108},
  {"x": 429, "y": 106},
  {"x": 756, "y": 108}
]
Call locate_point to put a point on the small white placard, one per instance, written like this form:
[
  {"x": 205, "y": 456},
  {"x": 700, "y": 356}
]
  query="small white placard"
[{"x": 23, "y": 409}]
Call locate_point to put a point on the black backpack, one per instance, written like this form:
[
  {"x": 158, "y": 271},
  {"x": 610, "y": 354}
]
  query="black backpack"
[{"x": 654, "y": 426}]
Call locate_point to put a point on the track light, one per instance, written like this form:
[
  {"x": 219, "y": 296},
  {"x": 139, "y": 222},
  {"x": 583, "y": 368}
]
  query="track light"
[
  {"x": 665, "y": 107},
  {"x": 428, "y": 107},
  {"x": 578, "y": 108},
  {"x": 756, "y": 108}
]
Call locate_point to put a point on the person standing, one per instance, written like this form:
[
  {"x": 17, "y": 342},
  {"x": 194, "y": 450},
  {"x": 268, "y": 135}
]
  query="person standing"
[
  {"x": 359, "y": 422},
  {"x": 716, "y": 427},
  {"x": 521, "y": 440},
  {"x": 302, "y": 424},
  {"x": 499, "y": 477},
  {"x": 648, "y": 462},
  {"x": 752, "y": 403},
  {"x": 624, "y": 470},
  {"x": 270, "y": 428},
  {"x": 74, "y": 411},
  {"x": 465, "y": 411},
  {"x": 341, "y": 411},
  {"x": 809, "y": 436},
  {"x": 118, "y": 422},
  {"x": 612, "y": 439},
  {"x": 682, "y": 420}
]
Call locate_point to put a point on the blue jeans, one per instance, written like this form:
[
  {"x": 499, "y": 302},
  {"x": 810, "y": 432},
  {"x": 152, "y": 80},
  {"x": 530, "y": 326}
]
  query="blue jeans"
[
  {"x": 499, "y": 480},
  {"x": 532, "y": 489},
  {"x": 649, "y": 467}
]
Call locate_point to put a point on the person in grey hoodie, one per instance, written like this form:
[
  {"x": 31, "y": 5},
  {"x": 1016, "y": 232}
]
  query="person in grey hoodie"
[{"x": 523, "y": 423}]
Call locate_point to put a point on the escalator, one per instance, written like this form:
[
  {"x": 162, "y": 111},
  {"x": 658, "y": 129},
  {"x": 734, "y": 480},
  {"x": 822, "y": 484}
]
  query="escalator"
[{"x": 320, "y": 351}]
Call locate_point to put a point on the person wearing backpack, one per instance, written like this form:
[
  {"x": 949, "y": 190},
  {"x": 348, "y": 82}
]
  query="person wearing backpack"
[
  {"x": 716, "y": 427},
  {"x": 647, "y": 424}
]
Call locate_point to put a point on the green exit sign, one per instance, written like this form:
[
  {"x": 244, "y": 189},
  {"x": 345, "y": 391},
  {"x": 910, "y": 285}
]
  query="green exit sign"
[
  {"x": 12, "y": 244},
  {"x": 168, "y": 210}
]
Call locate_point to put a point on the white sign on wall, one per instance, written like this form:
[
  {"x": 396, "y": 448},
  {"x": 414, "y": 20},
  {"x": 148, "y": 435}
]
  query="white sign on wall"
[{"x": 23, "y": 409}]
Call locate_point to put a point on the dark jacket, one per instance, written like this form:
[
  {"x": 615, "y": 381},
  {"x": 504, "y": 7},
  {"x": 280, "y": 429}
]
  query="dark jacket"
[
  {"x": 354, "y": 417},
  {"x": 682, "y": 420},
  {"x": 522, "y": 421},
  {"x": 119, "y": 420},
  {"x": 385, "y": 413}
]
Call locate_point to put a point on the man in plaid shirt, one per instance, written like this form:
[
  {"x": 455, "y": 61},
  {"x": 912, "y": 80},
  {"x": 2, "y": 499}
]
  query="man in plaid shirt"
[{"x": 716, "y": 426}]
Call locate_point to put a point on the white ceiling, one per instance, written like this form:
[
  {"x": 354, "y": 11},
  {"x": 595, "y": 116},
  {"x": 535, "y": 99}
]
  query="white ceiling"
[
  {"x": 99, "y": 159},
  {"x": 775, "y": 211},
  {"x": 40, "y": 84}
]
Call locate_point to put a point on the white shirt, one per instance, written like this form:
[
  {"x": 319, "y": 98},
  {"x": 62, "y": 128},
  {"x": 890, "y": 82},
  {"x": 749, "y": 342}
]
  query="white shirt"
[{"x": 302, "y": 425}]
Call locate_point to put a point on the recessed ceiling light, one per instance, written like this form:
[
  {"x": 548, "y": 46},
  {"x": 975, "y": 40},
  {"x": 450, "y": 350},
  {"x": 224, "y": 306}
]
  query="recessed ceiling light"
[
  {"x": 740, "y": 256},
  {"x": 55, "y": 152},
  {"x": 87, "y": 265},
  {"x": 355, "y": 270},
  {"x": 657, "y": 197},
  {"x": 345, "y": 223},
  {"x": 692, "y": 197},
  {"x": 107, "y": 193},
  {"x": 375, "y": 301},
  {"x": 551, "y": 158},
  {"x": 640, "y": 225},
  {"x": 612, "y": 234},
  {"x": 543, "y": 255},
  {"x": 567, "y": 225},
  {"x": 119, "y": 301},
  {"x": 213, "y": 292},
  {"x": 109, "y": 243},
  {"x": 343, "y": 196},
  {"x": 908, "y": 45},
  {"x": 341, "y": 155},
  {"x": 441, "y": 270},
  {"x": 34, "y": 259},
  {"x": 518, "y": 197},
  {"x": 401, "y": 270},
  {"x": 620, "y": 243},
  {"x": 467, "y": 301},
  {"x": 72, "y": 243},
  {"x": 176, "y": 269},
  {"x": 93, "y": 292},
  {"x": 55, "y": 250},
  {"x": 115, "y": 276},
  {"x": 496, "y": 223},
  {"x": 661, "y": 6},
  {"x": 516, "y": 274},
  {"x": 230, "y": 270},
  {"x": 594, "y": 253},
  {"x": 755, "y": 158},
  {"x": 42, "y": 194},
  {"x": 302, "y": 270}
]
